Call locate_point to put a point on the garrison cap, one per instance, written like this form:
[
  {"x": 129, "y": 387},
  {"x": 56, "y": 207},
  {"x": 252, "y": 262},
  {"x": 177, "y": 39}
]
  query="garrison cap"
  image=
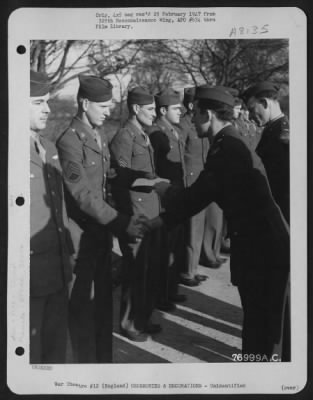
[
  {"x": 258, "y": 88},
  {"x": 140, "y": 96},
  {"x": 39, "y": 84},
  {"x": 189, "y": 94},
  {"x": 234, "y": 92},
  {"x": 94, "y": 88},
  {"x": 167, "y": 97},
  {"x": 215, "y": 93}
]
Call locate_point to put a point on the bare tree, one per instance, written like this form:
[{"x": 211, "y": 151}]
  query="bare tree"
[{"x": 157, "y": 64}]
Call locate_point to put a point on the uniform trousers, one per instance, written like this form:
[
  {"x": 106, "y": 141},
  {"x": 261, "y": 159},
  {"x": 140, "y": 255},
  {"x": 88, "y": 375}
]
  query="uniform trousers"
[
  {"x": 48, "y": 327},
  {"x": 266, "y": 315},
  {"x": 194, "y": 235},
  {"x": 213, "y": 233},
  {"x": 141, "y": 269},
  {"x": 203, "y": 236},
  {"x": 172, "y": 259},
  {"x": 91, "y": 315}
]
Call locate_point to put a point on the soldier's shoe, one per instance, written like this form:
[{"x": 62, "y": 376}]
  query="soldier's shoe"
[
  {"x": 225, "y": 247},
  {"x": 221, "y": 260},
  {"x": 178, "y": 298},
  {"x": 166, "y": 306},
  {"x": 135, "y": 336},
  {"x": 201, "y": 278},
  {"x": 153, "y": 328},
  {"x": 189, "y": 282},
  {"x": 210, "y": 264}
]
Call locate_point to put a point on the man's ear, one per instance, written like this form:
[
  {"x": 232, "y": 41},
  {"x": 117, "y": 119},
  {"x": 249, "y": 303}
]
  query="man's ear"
[
  {"x": 135, "y": 108},
  {"x": 264, "y": 102},
  {"x": 163, "y": 111},
  {"x": 85, "y": 104},
  {"x": 210, "y": 115}
]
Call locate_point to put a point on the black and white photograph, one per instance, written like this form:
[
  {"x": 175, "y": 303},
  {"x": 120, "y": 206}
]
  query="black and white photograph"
[{"x": 162, "y": 185}]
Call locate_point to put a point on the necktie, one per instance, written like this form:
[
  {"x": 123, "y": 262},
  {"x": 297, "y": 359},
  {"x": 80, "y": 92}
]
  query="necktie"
[
  {"x": 40, "y": 149},
  {"x": 146, "y": 137},
  {"x": 97, "y": 138},
  {"x": 175, "y": 133}
]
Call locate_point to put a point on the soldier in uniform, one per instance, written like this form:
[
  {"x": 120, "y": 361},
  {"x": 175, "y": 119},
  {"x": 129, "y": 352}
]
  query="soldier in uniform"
[
  {"x": 132, "y": 154},
  {"x": 85, "y": 160},
  {"x": 168, "y": 145},
  {"x": 245, "y": 127},
  {"x": 204, "y": 230},
  {"x": 50, "y": 243},
  {"x": 273, "y": 147},
  {"x": 235, "y": 178}
]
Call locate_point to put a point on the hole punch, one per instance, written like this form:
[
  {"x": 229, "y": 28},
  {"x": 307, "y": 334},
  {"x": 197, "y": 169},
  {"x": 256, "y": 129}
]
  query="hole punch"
[
  {"x": 19, "y": 351},
  {"x": 21, "y": 49},
  {"x": 20, "y": 201}
]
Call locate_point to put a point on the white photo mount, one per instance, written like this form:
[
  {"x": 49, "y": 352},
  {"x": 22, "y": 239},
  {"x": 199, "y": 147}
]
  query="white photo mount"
[{"x": 89, "y": 24}]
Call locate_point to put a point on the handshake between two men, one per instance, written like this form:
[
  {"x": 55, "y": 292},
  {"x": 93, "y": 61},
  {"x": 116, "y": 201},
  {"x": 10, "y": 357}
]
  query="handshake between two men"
[{"x": 140, "y": 225}]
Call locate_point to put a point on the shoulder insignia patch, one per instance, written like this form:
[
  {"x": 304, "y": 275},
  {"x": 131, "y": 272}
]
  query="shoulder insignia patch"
[
  {"x": 284, "y": 136},
  {"x": 122, "y": 162},
  {"x": 72, "y": 172}
]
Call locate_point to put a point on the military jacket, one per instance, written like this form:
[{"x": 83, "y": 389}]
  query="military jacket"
[
  {"x": 50, "y": 242},
  {"x": 234, "y": 178},
  {"x": 273, "y": 149},
  {"x": 196, "y": 149},
  {"x": 85, "y": 167},
  {"x": 132, "y": 154},
  {"x": 168, "y": 147}
]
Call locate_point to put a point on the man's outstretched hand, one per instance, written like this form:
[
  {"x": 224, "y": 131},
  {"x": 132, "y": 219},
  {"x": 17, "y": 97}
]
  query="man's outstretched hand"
[
  {"x": 136, "y": 229},
  {"x": 161, "y": 188}
]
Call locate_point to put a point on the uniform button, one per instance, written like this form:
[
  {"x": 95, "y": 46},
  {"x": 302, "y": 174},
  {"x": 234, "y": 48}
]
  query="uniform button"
[
  {"x": 140, "y": 199},
  {"x": 171, "y": 146},
  {"x": 53, "y": 193},
  {"x": 191, "y": 173},
  {"x": 49, "y": 175},
  {"x": 32, "y": 252},
  {"x": 60, "y": 229},
  {"x": 103, "y": 144},
  {"x": 93, "y": 163}
]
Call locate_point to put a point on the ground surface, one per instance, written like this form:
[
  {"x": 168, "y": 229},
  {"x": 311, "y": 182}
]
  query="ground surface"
[{"x": 205, "y": 328}]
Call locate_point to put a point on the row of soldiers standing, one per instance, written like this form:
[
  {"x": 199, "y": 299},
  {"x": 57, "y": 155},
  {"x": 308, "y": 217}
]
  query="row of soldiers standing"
[{"x": 153, "y": 262}]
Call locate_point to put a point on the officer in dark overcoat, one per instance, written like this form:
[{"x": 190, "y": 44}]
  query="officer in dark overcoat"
[
  {"x": 273, "y": 147},
  {"x": 168, "y": 144},
  {"x": 132, "y": 154},
  {"x": 204, "y": 230},
  {"x": 50, "y": 242},
  {"x": 85, "y": 160},
  {"x": 235, "y": 178}
]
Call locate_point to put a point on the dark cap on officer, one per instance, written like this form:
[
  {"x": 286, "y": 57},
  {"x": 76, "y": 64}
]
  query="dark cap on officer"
[
  {"x": 215, "y": 93},
  {"x": 167, "y": 97},
  {"x": 39, "y": 84},
  {"x": 234, "y": 92},
  {"x": 189, "y": 94},
  {"x": 94, "y": 88},
  {"x": 140, "y": 96},
  {"x": 257, "y": 89}
]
